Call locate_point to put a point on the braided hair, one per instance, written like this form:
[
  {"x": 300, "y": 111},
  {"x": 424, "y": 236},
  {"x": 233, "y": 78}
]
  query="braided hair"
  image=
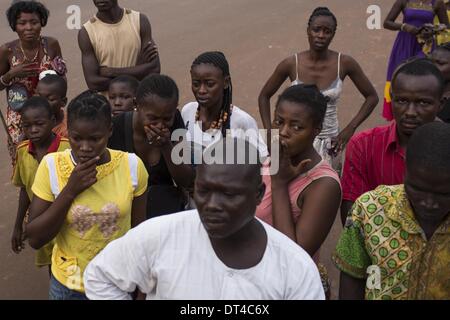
[
  {"x": 217, "y": 59},
  {"x": 322, "y": 12},
  {"x": 91, "y": 106},
  {"x": 157, "y": 84}
]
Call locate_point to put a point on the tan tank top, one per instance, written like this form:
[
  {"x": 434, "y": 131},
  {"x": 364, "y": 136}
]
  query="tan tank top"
[{"x": 116, "y": 45}]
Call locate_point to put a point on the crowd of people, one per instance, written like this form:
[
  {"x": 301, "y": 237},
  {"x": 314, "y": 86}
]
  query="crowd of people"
[{"x": 113, "y": 214}]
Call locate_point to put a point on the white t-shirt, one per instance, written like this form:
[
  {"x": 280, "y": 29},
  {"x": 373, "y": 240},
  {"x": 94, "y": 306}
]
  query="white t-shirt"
[
  {"x": 242, "y": 125},
  {"x": 171, "y": 257}
]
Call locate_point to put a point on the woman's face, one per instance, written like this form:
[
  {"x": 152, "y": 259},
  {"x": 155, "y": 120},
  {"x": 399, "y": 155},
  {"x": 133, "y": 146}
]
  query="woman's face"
[
  {"x": 156, "y": 111},
  {"x": 295, "y": 125},
  {"x": 321, "y": 32},
  {"x": 88, "y": 139},
  {"x": 208, "y": 85},
  {"x": 28, "y": 26}
]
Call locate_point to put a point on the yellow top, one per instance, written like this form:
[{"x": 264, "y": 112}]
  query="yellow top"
[
  {"x": 97, "y": 216},
  {"x": 26, "y": 165},
  {"x": 116, "y": 45}
]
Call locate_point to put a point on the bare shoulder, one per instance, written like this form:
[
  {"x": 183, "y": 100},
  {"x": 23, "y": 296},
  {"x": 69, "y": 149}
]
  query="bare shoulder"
[
  {"x": 348, "y": 64},
  {"x": 52, "y": 42},
  {"x": 6, "y": 49}
]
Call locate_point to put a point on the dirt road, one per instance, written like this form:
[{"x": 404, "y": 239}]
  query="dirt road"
[{"x": 254, "y": 34}]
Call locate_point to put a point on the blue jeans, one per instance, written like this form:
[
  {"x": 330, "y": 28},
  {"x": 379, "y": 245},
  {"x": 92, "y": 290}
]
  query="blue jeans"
[{"x": 60, "y": 292}]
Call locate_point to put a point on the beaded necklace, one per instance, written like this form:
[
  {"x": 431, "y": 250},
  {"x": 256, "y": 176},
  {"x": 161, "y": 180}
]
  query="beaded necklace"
[{"x": 217, "y": 124}]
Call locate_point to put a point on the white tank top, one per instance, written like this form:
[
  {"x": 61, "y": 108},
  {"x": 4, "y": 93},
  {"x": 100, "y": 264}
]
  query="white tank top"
[{"x": 333, "y": 92}]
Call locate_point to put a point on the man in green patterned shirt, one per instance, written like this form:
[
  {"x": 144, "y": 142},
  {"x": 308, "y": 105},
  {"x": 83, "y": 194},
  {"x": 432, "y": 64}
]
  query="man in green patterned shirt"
[{"x": 396, "y": 241}]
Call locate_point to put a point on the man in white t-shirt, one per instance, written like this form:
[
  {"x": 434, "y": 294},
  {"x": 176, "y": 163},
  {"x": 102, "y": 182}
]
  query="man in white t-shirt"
[{"x": 220, "y": 251}]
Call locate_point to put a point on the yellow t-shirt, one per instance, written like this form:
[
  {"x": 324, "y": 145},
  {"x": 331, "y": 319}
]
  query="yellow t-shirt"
[
  {"x": 26, "y": 165},
  {"x": 23, "y": 177},
  {"x": 97, "y": 216}
]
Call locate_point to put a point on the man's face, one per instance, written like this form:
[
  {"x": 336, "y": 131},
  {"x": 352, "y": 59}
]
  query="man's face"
[
  {"x": 416, "y": 100},
  {"x": 105, "y": 5},
  {"x": 226, "y": 197},
  {"x": 428, "y": 192}
]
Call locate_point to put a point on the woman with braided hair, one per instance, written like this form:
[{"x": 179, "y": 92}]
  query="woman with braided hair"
[
  {"x": 214, "y": 113},
  {"x": 326, "y": 69},
  {"x": 84, "y": 197}
]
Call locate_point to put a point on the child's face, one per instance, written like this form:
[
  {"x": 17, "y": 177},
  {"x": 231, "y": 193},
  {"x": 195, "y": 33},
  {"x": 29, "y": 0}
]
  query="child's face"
[
  {"x": 121, "y": 98},
  {"x": 37, "y": 125},
  {"x": 50, "y": 92}
]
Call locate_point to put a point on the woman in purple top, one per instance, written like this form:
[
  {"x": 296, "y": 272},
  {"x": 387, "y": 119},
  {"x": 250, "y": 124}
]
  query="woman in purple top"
[{"x": 416, "y": 14}]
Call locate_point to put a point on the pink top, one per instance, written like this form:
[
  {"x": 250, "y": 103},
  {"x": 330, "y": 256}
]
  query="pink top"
[{"x": 296, "y": 187}]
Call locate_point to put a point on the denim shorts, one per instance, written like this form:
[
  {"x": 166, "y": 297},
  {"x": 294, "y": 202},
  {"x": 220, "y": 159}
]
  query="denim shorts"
[{"x": 60, "y": 292}]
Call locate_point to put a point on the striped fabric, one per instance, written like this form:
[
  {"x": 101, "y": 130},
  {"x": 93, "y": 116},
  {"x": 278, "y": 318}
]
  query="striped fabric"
[{"x": 373, "y": 157}]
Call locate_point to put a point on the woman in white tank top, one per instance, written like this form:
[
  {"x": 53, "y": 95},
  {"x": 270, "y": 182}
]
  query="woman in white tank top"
[{"x": 326, "y": 69}]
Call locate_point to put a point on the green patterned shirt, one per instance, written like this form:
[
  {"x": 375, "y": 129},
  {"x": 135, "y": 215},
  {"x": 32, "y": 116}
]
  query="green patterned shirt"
[{"x": 382, "y": 241}]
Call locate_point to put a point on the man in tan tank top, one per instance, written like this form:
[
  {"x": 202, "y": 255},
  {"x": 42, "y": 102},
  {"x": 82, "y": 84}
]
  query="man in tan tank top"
[{"x": 116, "y": 41}]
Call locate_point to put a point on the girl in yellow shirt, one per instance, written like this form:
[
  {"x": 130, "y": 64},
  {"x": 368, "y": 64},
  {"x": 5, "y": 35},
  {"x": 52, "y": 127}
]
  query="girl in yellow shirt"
[{"x": 84, "y": 197}]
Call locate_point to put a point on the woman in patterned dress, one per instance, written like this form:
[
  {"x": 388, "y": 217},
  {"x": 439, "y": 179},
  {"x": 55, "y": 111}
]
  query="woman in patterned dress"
[{"x": 23, "y": 59}]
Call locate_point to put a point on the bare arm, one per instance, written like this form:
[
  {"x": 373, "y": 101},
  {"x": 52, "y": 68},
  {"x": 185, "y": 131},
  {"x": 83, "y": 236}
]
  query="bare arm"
[
  {"x": 319, "y": 209},
  {"x": 148, "y": 59},
  {"x": 397, "y": 8},
  {"x": 318, "y": 213},
  {"x": 365, "y": 87},
  {"x": 351, "y": 288},
  {"x": 345, "y": 210},
  {"x": 47, "y": 218},
  {"x": 91, "y": 68},
  {"x": 270, "y": 88},
  {"x": 4, "y": 64},
  {"x": 55, "y": 48},
  {"x": 17, "y": 237},
  {"x": 138, "y": 209},
  {"x": 183, "y": 174}
]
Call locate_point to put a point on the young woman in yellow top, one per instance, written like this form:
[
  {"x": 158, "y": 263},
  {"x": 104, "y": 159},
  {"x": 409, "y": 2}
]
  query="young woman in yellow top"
[{"x": 84, "y": 197}]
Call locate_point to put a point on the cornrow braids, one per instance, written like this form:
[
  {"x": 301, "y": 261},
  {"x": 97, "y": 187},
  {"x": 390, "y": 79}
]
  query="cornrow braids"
[
  {"x": 14, "y": 11},
  {"x": 161, "y": 85},
  {"x": 217, "y": 59},
  {"x": 91, "y": 106},
  {"x": 309, "y": 96},
  {"x": 322, "y": 11}
]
